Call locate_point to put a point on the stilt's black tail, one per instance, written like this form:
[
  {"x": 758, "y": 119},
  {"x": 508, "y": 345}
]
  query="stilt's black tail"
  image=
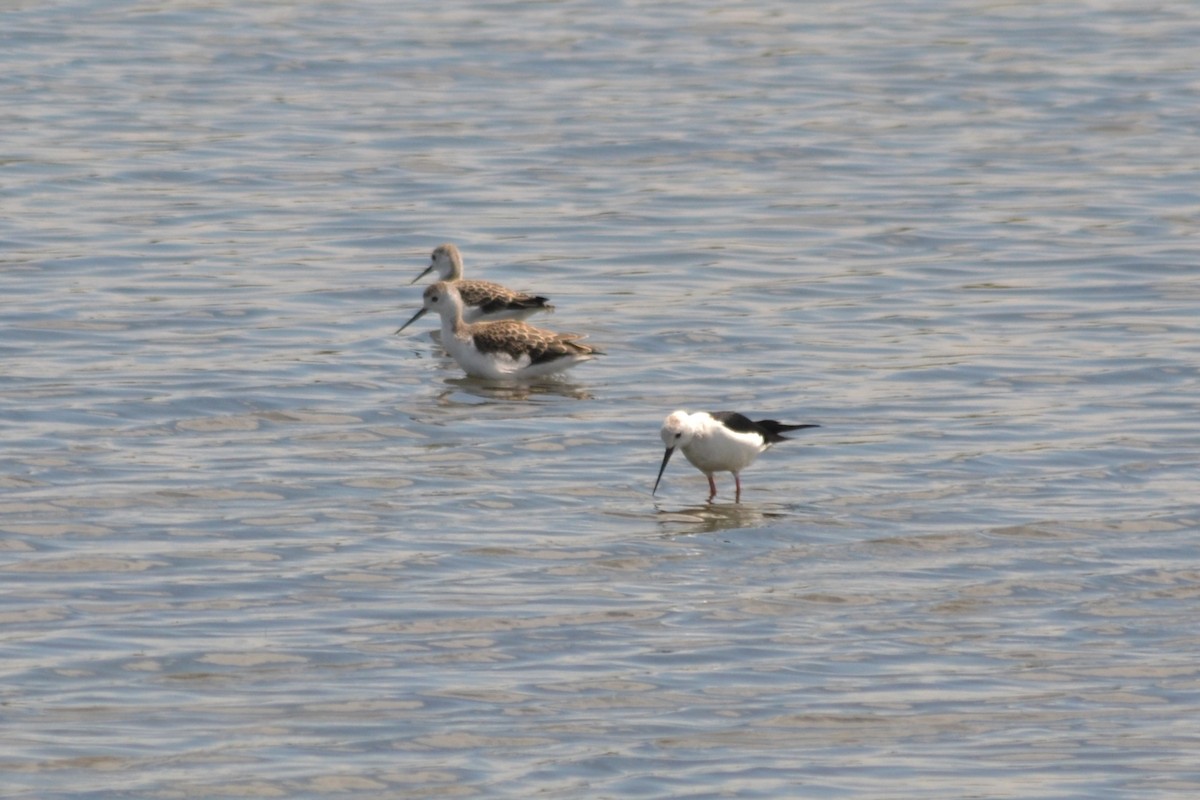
[{"x": 773, "y": 430}]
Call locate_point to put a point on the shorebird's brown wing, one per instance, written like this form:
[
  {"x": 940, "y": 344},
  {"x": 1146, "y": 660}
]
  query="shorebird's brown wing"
[
  {"x": 519, "y": 339},
  {"x": 491, "y": 298}
]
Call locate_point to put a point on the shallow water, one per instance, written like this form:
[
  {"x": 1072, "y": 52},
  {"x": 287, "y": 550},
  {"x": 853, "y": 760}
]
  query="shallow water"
[{"x": 254, "y": 545}]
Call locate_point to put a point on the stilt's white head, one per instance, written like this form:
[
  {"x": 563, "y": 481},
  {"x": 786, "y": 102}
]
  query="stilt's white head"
[
  {"x": 440, "y": 297},
  {"x": 676, "y": 432},
  {"x": 446, "y": 261}
]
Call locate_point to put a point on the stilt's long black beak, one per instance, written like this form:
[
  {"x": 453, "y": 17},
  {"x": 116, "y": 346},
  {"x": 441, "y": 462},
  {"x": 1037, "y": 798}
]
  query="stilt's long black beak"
[
  {"x": 415, "y": 317},
  {"x": 422, "y": 275},
  {"x": 666, "y": 458}
]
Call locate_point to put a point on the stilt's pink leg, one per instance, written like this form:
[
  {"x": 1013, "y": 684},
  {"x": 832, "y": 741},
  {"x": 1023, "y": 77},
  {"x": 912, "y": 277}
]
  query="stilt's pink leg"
[
  {"x": 737, "y": 480},
  {"x": 712, "y": 488}
]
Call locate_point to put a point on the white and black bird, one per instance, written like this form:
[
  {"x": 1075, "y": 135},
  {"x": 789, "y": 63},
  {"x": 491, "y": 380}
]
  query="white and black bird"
[
  {"x": 501, "y": 350},
  {"x": 722, "y": 441},
  {"x": 482, "y": 300}
]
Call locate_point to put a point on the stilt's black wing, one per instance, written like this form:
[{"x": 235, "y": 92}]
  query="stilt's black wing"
[{"x": 771, "y": 430}]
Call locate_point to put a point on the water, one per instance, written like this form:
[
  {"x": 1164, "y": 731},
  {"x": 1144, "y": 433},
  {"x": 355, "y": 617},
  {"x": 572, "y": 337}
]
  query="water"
[{"x": 256, "y": 546}]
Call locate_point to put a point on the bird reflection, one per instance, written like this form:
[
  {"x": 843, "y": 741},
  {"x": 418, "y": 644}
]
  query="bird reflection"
[
  {"x": 500, "y": 390},
  {"x": 715, "y": 517}
]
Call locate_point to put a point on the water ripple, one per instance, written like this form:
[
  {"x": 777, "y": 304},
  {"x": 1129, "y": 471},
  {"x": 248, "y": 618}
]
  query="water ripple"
[{"x": 255, "y": 545}]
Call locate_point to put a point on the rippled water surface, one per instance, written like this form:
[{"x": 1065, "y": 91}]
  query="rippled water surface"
[{"x": 255, "y": 545}]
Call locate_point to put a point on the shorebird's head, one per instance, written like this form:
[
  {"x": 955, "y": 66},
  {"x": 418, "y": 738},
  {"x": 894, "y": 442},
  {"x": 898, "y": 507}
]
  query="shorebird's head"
[
  {"x": 444, "y": 260},
  {"x": 441, "y": 297},
  {"x": 676, "y": 432}
]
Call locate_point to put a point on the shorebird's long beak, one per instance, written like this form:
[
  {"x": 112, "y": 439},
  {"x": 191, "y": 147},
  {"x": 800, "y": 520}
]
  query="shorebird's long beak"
[
  {"x": 666, "y": 458},
  {"x": 422, "y": 275},
  {"x": 415, "y": 317}
]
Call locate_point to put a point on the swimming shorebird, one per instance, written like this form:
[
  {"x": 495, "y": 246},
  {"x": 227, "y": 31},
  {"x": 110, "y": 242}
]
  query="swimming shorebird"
[
  {"x": 723, "y": 441},
  {"x": 482, "y": 300},
  {"x": 500, "y": 350}
]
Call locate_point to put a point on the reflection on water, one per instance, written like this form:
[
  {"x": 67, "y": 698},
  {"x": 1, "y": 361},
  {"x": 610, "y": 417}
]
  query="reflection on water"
[
  {"x": 505, "y": 391},
  {"x": 716, "y": 517},
  {"x": 255, "y": 545}
]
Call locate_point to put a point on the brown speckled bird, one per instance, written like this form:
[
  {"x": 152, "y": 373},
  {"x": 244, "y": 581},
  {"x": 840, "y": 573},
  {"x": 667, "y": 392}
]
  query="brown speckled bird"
[
  {"x": 502, "y": 350},
  {"x": 482, "y": 300}
]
